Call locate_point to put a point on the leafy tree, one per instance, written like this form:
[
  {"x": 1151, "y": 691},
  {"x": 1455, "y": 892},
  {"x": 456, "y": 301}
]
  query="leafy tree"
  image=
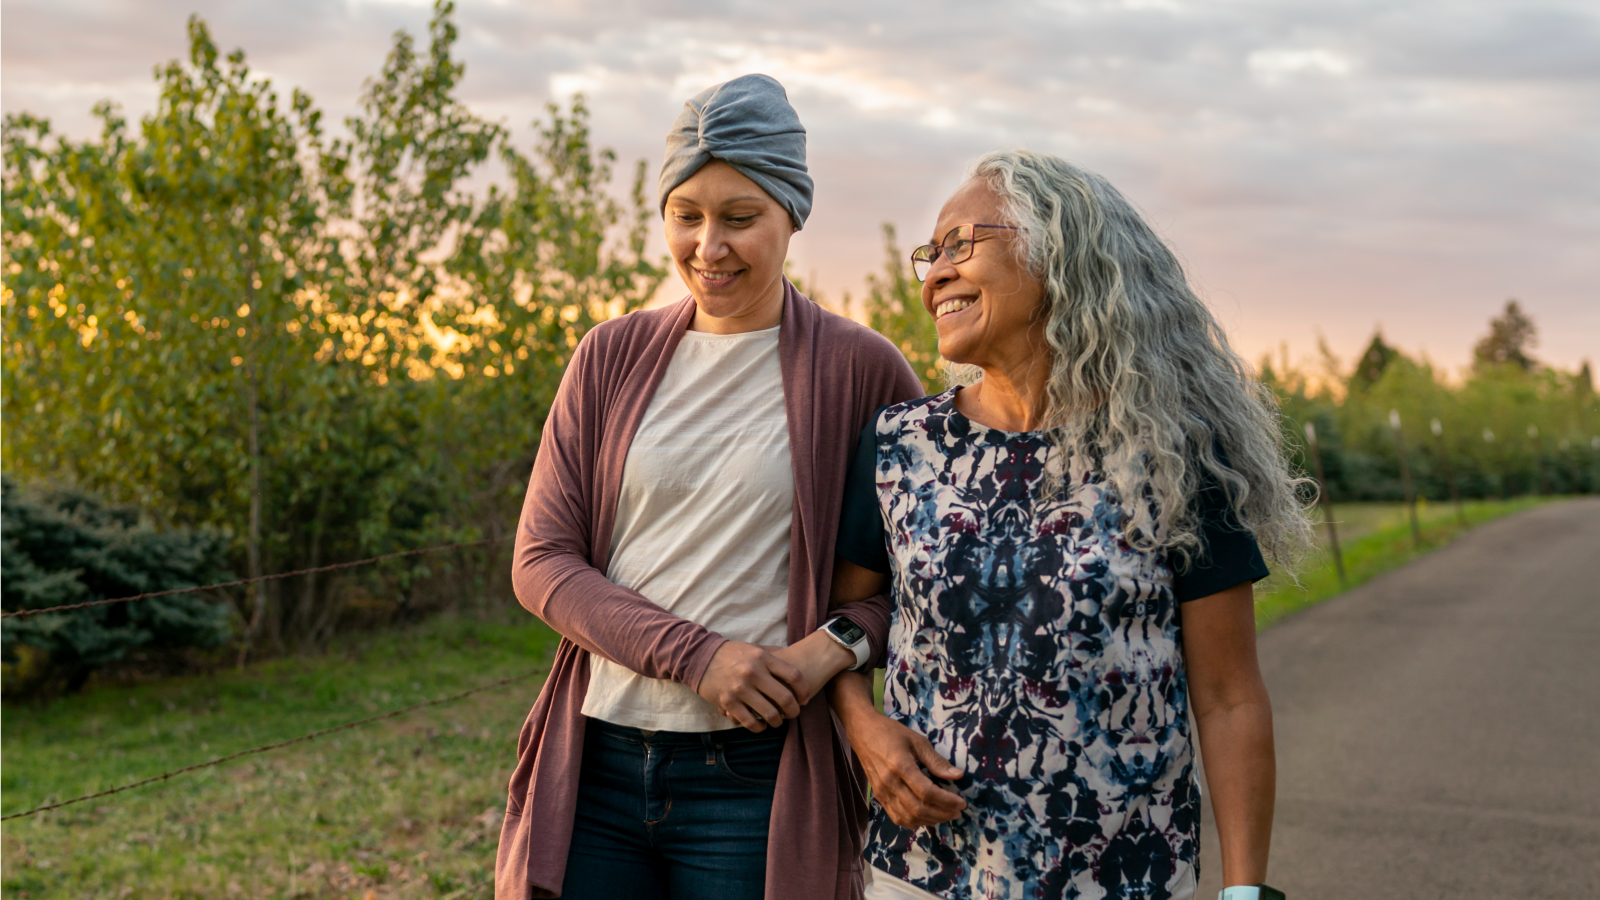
[
  {"x": 537, "y": 271},
  {"x": 1502, "y": 431},
  {"x": 155, "y": 293},
  {"x": 332, "y": 348},
  {"x": 1373, "y": 363},
  {"x": 894, "y": 309},
  {"x": 66, "y": 547},
  {"x": 1511, "y": 338}
]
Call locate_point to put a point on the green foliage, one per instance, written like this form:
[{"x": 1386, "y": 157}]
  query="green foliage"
[
  {"x": 1510, "y": 341},
  {"x": 1373, "y": 363},
  {"x": 330, "y": 348},
  {"x": 66, "y": 547},
  {"x": 894, "y": 309},
  {"x": 1502, "y": 432},
  {"x": 409, "y": 807}
]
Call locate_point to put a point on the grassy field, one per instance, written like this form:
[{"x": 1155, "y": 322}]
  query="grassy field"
[
  {"x": 1375, "y": 538},
  {"x": 406, "y": 808}
]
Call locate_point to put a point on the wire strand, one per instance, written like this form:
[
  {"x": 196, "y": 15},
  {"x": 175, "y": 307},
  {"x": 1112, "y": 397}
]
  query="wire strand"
[
  {"x": 305, "y": 737},
  {"x": 227, "y": 584}
]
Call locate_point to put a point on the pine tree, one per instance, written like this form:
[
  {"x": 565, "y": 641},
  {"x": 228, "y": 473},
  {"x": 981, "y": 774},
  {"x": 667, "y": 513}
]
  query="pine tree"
[
  {"x": 1374, "y": 361},
  {"x": 65, "y": 547},
  {"x": 1511, "y": 336}
]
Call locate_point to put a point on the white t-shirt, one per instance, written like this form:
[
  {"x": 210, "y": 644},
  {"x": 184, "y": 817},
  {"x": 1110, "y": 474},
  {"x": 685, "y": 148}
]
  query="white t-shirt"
[{"x": 703, "y": 518}]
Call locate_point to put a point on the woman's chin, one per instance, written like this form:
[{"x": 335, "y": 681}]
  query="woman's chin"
[{"x": 955, "y": 347}]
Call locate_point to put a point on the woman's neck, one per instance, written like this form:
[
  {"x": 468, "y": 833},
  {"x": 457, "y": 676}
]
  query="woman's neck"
[
  {"x": 767, "y": 312},
  {"x": 1014, "y": 395}
]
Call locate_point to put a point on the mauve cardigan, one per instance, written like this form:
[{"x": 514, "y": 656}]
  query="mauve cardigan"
[{"x": 836, "y": 373}]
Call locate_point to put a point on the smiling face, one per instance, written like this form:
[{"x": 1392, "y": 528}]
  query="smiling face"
[
  {"x": 989, "y": 309},
  {"x": 729, "y": 239}
]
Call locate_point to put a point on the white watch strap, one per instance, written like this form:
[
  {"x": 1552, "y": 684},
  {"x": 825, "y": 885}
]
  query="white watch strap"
[{"x": 1240, "y": 892}]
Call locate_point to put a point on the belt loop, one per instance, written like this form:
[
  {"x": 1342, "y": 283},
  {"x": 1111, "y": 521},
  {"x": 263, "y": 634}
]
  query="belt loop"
[{"x": 711, "y": 750}]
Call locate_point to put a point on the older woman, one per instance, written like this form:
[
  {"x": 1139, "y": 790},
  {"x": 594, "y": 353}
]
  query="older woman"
[
  {"x": 678, "y": 532},
  {"x": 1070, "y": 540}
]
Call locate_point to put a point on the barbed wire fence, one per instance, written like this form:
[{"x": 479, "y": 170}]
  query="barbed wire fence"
[{"x": 394, "y": 713}]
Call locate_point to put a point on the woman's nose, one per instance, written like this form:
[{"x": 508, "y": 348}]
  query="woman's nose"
[
  {"x": 942, "y": 271},
  {"x": 712, "y": 244}
]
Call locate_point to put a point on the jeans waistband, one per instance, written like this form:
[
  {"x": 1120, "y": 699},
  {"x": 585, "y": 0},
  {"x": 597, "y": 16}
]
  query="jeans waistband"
[{"x": 687, "y": 738}]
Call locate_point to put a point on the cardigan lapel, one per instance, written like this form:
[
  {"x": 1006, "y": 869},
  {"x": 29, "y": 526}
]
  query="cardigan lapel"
[
  {"x": 626, "y": 394},
  {"x": 797, "y": 359}
]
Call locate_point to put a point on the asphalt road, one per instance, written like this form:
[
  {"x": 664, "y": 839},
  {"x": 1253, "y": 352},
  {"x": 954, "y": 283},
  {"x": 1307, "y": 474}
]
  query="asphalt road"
[{"x": 1438, "y": 728}]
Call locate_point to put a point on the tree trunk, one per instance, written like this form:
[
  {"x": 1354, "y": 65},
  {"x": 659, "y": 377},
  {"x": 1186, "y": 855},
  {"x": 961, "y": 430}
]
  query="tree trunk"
[
  {"x": 258, "y": 611},
  {"x": 306, "y": 623}
]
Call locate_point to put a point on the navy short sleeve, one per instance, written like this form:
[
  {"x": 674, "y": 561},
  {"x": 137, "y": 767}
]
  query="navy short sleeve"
[
  {"x": 1228, "y": 553},
  {"x": 861, "y": 536}
]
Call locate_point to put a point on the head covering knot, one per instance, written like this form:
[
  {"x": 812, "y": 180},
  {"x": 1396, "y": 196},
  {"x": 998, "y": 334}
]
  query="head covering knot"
[{"x": 748, "y": 124}]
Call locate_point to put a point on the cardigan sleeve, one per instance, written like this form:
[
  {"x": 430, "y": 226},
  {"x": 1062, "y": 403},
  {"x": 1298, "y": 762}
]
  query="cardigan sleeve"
[
  {"x": 895, "y": 382},
  {"x": 552, "y": 571}
]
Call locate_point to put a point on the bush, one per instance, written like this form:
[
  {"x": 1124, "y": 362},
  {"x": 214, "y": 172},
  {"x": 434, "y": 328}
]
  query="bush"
[{"x": 65, "y": 547}]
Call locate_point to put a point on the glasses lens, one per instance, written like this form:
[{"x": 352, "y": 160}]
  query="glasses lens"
[
  {"x": 922, "y": 261},
  {"x": 958, "y": 244}
]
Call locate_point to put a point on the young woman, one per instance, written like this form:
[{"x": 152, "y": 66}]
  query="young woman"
[
  {"x": 678, "y": 532},
  {"x": 1070, "y": 540}
]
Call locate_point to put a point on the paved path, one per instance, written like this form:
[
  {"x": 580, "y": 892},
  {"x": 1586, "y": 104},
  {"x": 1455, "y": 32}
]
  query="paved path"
[{"x": 1438, "y": 728}]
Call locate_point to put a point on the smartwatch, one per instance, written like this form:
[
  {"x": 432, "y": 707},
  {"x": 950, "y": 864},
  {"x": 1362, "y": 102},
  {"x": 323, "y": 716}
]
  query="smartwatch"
[
  {"x": 1251, "y": 892},
  {"x": 852, "y": 637}
]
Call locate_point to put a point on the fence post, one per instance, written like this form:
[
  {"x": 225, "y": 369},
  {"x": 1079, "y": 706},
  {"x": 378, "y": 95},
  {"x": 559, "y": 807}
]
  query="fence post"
[
  {"x": 1500, "y": 479},
  {"x": 1324, "y": 500},
  {"x": 1594, "y": 464},
  {"x": 1405, "y": 478},
  {"x": 1541, "y": 486},
  {"x": 1449, "y": 471}
]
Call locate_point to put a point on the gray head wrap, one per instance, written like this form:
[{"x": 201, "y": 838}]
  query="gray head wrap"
[{"x": 748, "y": 124}]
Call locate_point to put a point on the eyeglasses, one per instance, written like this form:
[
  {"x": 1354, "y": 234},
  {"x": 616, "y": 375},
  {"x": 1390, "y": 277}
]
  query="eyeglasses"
[{"x": 956, "y": 247}]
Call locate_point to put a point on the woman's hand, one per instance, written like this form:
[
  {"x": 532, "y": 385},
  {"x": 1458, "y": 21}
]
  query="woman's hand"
[
  {"x": 894, "y": 758},
  {"x": 752, "y": 685}
]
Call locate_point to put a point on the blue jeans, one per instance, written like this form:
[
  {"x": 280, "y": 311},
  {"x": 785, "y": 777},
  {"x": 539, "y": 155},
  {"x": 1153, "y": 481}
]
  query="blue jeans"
[{"x": 671, "y": 815}]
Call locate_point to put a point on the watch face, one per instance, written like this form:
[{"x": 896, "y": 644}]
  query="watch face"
[{"x": 847, "y": 631}]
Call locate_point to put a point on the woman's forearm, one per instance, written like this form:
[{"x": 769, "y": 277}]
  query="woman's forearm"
[
  {"x": 580, "y": 603},
  {"x": 850, "y": 693},
  {"x": 1241, "y": 777}
]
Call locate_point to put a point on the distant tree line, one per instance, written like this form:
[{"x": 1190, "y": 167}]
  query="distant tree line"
[
  {"x": 320, "y": 348},
  {"x": 1511, "y": 426}
]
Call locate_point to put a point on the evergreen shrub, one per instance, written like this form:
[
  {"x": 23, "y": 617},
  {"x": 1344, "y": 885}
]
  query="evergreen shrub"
[{"x": 63, "y": 547}]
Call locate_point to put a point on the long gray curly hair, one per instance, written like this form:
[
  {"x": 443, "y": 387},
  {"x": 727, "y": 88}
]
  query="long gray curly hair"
[{"x": 1142, "y": 377}]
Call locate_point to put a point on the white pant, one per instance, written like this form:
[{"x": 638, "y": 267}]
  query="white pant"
[{"x": 883, "y": 886}]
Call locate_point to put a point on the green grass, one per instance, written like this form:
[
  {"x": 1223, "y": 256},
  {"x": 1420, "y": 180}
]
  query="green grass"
[
  {"x": 409, "y": 807},
  {"x": 1375, "y": 538}
]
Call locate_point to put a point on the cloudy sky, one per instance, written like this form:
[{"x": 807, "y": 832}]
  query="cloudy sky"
[{"x": 1322, "y": 166}]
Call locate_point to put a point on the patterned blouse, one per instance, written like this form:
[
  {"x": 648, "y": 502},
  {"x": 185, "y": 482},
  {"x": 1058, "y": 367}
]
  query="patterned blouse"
[{"x": 1038, "y": 652}]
